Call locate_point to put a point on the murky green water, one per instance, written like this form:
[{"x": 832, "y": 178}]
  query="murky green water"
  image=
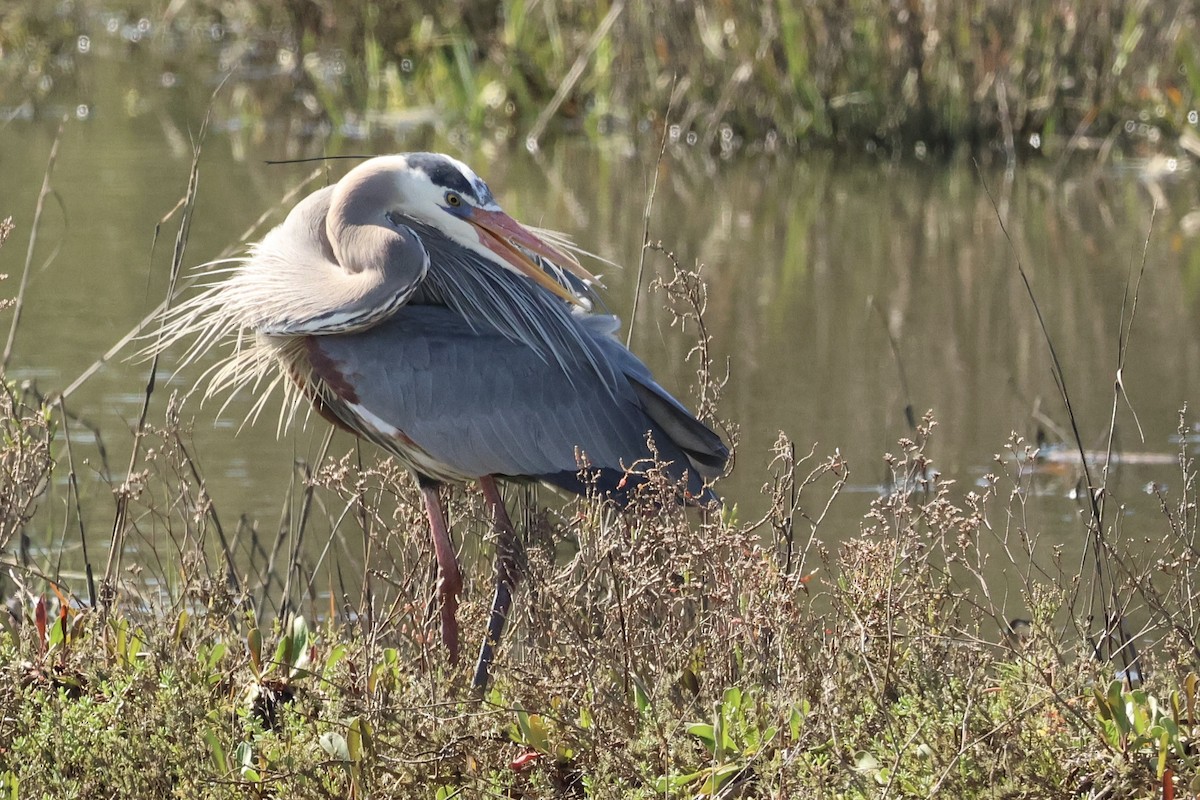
[{"x": 813, "y": 263}]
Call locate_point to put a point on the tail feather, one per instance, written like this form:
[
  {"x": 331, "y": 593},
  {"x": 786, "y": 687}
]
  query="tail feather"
[{"x": 699, "y": 443}]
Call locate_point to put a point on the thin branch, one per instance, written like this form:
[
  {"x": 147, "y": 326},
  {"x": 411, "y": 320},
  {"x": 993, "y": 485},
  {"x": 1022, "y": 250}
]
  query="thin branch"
[
  {"x": 637, "y": 284},
  {"x": 45, "y": 192}
]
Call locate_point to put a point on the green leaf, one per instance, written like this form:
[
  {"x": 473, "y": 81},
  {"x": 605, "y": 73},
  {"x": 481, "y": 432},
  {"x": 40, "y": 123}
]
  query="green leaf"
[
  {"x": 767, "y": 737},
  {"x": 1141, "y": 710},
  {"x": 283, "y": 651},
  {"x": 533, "y": 731},
  {"x": 1189, "y": 688},
  {"x": 243, "y": 756},
  {"x": 752, "y": 736},
  {"x": 539, "y": 733},
  {"x": 10, "y": 785},
  {"x": 180, "y": 626},
  {"x": 217, "y": 751},
  {"x": 1116, "y": 704},
  {"x": 301, "y": 639},
  {"x": 64, "y": 681},
  {"x": 9, "y": 624},
  {"x": 1171, "y": 728},
  {"x": 522, "y": 726},
  {"x": 377, "y": 672},
  {"x": 706, "y": 734},
  {"x": 721, "y": 775},
  {"x": 336, "y": 654},
  {"x": 689, "y": 681},
  {"x": 358, "y": 738},
  {"x": 1112, "y": 734},
  {"x": 209, "y": 659},
  {"x": 1102, "y": 708},
  {"x": 668, "y": 782},
  {"x": 254, "y": 646},
  {"x": 794, "y": 722},
  {"x": 641, "y": 698},
  {"x": 120, "y": 627},
  {"x": 721, "y": 716},
  {"x": 58, "y": 632}
]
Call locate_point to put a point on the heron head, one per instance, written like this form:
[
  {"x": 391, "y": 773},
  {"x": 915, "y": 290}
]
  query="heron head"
[{"x": 446, "y": 194}]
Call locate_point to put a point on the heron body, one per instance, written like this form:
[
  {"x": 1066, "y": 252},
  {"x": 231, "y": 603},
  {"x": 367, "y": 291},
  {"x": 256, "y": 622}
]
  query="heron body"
[{"x": 410, "y": 310}]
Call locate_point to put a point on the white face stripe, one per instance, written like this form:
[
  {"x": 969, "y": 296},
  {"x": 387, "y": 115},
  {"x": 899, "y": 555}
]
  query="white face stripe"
[
  {"x": 448, "y": 173},
  {"x": 477, "y": 183},
  {"x": 419, "y": 197}
]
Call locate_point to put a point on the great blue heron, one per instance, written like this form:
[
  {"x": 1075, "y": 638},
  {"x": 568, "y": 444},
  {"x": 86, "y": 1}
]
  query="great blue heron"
[{"x": 410, "y": 309}]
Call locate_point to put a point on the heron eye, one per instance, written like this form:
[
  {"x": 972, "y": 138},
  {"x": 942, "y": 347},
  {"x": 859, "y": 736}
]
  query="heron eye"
[{"x": 453, "y": 200}]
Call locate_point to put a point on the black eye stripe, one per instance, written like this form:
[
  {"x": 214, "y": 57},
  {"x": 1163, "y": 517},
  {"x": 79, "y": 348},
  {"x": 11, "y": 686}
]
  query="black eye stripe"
[
  {"x": 482, "y": 193},
  {"x": 442, "y": 173}
]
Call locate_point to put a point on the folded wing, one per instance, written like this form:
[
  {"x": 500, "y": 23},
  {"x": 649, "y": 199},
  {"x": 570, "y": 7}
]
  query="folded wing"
[{"x": 482, "y": 404}]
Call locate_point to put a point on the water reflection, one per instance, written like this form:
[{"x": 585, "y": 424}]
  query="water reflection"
[{"x": 840, "y": 293}]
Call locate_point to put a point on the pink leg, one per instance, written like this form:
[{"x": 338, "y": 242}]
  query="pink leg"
[
  {"x": 507, "y": 576},
  {"x": 449, "y": 583}
]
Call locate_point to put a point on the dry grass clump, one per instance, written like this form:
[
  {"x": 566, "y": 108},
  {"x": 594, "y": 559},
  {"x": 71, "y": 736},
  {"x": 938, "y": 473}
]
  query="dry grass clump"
[
  {"x": 25, "y": 437},
  {"x": 25, "y": 460},
  {"x": 661, "y": 652}
]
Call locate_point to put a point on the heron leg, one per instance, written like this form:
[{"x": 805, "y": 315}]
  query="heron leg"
[
  {"x": 449, "y": 582},
  {"x": 507, "y": 575}
]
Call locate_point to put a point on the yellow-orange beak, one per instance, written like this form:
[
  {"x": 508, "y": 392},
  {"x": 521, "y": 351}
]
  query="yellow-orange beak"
[{"x": 505, "y": 237}]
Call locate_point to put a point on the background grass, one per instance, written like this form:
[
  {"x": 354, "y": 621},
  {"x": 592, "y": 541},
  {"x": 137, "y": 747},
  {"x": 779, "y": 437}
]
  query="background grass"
[{"x": 900, "y": 77}]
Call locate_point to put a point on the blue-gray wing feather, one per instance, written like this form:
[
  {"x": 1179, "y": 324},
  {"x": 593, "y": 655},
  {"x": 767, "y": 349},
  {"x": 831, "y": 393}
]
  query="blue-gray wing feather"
[
  {"x": 483, "y": 404},
  {"x": 493, "y": 299}
]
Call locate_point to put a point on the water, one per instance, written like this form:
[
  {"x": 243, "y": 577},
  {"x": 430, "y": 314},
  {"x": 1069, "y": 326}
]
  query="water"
[{"x": 840, "y": 291}]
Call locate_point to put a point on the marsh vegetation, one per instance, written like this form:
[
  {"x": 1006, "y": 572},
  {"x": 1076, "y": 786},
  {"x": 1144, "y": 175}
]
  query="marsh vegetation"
[{"x": 890, "y": 612}]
